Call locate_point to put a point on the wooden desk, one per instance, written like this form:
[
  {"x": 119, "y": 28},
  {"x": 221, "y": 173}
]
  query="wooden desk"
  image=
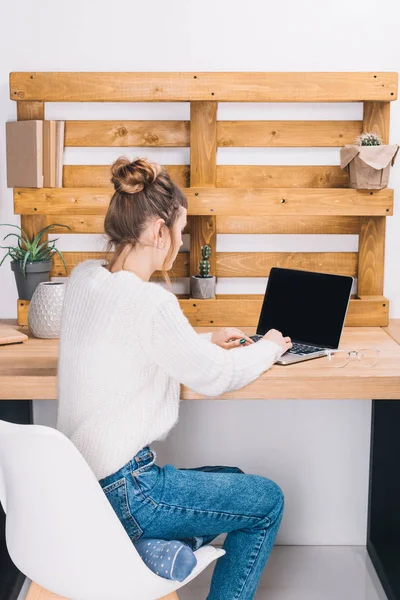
[{"x": 29, "y": 371}]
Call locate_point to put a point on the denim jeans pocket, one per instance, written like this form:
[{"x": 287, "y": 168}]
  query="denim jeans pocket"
[
  {"x": 146, "y": 479},
  {"x": 117, "y": 496}
]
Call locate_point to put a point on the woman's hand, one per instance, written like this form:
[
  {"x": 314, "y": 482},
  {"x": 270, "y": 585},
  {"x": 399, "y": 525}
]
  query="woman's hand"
[
  {"x": 229, "y": 337},
  {"x": 275, "y": 336}
]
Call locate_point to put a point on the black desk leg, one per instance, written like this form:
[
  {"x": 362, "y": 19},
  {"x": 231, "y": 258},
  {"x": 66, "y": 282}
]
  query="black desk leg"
[
  {"x": 383, "y": 536},
  {"x": 11, "y": 578}
]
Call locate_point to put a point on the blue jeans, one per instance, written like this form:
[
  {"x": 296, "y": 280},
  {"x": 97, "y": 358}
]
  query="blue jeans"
[{"x": 195, "y": 506}]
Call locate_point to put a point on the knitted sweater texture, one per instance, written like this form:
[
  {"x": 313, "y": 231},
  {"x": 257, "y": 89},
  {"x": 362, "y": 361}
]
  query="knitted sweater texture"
[{"x": 125, "y": 347}]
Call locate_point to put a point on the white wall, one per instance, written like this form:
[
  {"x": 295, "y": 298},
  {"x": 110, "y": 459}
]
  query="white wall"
[{"x": 318, "y": 451}]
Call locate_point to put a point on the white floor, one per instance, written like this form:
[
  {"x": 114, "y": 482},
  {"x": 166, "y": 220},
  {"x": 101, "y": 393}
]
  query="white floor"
[{"x": 302, "y": 573}]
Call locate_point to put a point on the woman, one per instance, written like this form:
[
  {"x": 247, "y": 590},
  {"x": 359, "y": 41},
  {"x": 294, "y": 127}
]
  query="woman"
[{"x": 125, "y": 348}]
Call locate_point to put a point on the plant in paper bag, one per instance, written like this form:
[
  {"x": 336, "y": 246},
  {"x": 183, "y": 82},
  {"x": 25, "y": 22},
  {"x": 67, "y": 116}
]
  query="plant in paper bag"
[{"x": 368, "y": 161}]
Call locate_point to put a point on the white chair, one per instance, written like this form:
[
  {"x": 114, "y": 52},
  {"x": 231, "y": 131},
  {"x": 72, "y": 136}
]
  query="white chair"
[{"x": 62, "y": 532}]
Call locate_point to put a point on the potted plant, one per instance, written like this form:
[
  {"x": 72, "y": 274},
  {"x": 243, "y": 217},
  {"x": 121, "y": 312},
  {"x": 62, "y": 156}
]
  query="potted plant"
[
  {"x": 368, "y": 162},
  {"x": 31, "y": 261},
  {"x": 203, "y": 285}
]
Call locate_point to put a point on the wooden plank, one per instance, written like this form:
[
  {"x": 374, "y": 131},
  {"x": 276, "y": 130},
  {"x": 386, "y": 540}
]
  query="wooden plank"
[
  {"x": 368, "y": 311},
  {"x": 233, "y": 225},
  {"x": 264, "y": 134},
  {"x": 127, "y": 133},
  {"x": 229, "y": 133},
  {"x": 300, "y": 224},
  {"x": 218, "y": 201},
  {"x": 281, "y": 176},
  {"x": 258, "y": 264},
  {"x": 62, "y": 201},
  {"x": 237, "y": 311},
  {"x": 37, "y": 592},
  {"x": 82, "y": 224},
  {"x": 77, "y": 223},
  {"x": 284, "y": 201},
  {"x": 99, "y": 175},
  {"x": 32, "y": 224},
  {"x": 227, "y": 176},
  {"x": 371, "y": 252},
  {"x": 22, "y": 312},
  {"x": 27, "y": 111},
  {"x": 203, "y": 86},
  {"x": 376, "y": 119},
  {"x": 180, "y": 267},
  {"x": 202, "y": 231},
  {"x": 203, "y": 163},
  {"x": 203, "y": 151},
  {"x": 236, "y": 264}
]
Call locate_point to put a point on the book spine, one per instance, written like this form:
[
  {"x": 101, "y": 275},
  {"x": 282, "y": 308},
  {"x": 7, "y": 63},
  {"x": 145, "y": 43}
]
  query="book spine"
[
  {"x": 46, "y": 154},
  {"x": 39, "y": 154},
  {"x": 60, "y": 152},
  {"x": 53, "y": 154}
]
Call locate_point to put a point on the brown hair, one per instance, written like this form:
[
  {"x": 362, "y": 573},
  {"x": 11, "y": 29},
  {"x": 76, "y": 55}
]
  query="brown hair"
[{"x": 143, "y": 190}]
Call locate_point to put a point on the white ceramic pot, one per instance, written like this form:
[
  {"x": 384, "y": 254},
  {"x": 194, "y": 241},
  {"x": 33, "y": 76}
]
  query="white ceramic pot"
[{"x": 45, "y": 308}]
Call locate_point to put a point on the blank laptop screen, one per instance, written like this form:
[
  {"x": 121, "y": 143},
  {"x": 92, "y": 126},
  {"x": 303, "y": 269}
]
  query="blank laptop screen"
[{"x": 309, "y": 307}]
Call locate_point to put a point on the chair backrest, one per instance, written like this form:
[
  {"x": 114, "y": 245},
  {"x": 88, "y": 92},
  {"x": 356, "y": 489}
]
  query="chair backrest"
[{"x": 61, "y": 531}]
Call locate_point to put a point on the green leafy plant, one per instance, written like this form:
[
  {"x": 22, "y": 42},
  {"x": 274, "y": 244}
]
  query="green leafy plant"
[
  {"x": 368, "y": 139},
  {"x": 30, "y": 250},
  {"x": 204, "y": 262}
]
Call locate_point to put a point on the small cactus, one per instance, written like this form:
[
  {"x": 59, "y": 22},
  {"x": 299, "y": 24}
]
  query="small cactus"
[
  {"x": 204, "y": 262},
  {"x": 368, "y": 139}
]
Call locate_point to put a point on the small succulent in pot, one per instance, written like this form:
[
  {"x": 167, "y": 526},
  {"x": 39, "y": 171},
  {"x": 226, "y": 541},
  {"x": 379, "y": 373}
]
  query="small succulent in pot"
[
  {"x": 203, "y": 285},
  {"x": 31, "y": 261},
  {"x": 368, "y": 161}
]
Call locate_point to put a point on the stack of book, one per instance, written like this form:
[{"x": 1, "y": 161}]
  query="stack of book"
[{"x": 35, "y": 153}]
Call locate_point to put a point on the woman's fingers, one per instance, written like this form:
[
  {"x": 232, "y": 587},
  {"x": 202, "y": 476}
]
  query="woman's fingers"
[
  {"x": 237, "y": 334},
  {"x": 288, "y": 340},
  {"x": 236, "y": 343}
]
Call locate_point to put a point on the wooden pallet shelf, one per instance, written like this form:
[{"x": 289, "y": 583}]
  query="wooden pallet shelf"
[
  {"x": 218, "y": 201},
  {"x": 228, "y": 199}
]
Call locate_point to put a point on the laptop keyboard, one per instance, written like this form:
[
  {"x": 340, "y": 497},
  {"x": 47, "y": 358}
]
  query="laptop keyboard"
[{"x": 296, "y": 348}]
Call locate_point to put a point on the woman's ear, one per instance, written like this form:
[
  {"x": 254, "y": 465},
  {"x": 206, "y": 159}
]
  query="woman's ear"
[{"x": 158, "y": 229}]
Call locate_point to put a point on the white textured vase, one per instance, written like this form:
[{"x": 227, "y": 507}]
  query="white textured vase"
[{"x": 45, "y": 308}]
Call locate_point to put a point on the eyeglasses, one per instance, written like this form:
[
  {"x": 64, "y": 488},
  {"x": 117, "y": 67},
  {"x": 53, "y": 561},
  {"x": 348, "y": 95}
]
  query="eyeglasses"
[{"x": 367, "y": 357}]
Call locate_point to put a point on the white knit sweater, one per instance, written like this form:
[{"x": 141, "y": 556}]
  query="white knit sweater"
[{"x": 125, "y": 347}]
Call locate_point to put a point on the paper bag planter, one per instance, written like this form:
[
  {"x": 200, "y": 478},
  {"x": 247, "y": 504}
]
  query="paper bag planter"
[{"x": 368, "y": 166}]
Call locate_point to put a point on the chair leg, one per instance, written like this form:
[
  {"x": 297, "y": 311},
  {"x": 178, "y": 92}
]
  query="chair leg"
[{"x": 36, "y": 592}]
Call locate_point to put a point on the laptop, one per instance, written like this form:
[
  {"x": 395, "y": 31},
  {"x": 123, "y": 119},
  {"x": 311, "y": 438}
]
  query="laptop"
[{"x": 309, "y": 307}]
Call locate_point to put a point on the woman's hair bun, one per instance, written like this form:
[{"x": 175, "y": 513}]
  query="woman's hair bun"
[{"x": 131, "y": 177}]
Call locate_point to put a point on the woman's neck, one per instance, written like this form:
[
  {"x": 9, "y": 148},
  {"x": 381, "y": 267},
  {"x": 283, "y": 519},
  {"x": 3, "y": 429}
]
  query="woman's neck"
[{"x": 127, "y": 264}]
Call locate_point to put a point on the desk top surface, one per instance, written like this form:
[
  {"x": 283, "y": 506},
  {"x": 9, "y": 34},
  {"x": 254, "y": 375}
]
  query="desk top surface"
[{"x": 29, "y": 371}]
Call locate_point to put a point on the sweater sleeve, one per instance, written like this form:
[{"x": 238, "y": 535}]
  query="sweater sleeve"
[
  {"x": 205, "y": 368},
  {"x": 206, "y": 336}
]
